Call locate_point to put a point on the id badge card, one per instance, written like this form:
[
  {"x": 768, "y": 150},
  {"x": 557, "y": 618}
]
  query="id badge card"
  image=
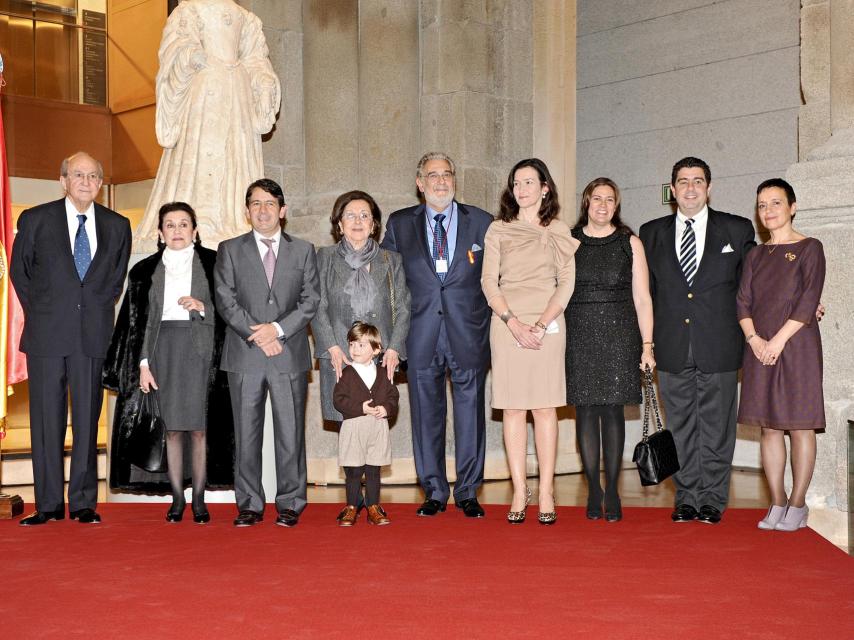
[{"x": 441, "y": 265}]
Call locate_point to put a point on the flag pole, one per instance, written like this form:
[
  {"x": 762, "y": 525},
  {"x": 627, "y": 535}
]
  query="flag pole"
[{"x": 10, "y": 505}]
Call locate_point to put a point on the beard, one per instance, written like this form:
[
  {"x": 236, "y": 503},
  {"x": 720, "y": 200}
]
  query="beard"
[{"x": 440, "y": 202}]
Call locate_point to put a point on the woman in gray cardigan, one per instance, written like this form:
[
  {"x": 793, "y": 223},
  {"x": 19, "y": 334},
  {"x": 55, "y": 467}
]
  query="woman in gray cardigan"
[{"x": 358, "y": 281}]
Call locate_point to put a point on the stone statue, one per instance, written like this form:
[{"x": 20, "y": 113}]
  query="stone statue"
[{"x": 217, "y": 94}]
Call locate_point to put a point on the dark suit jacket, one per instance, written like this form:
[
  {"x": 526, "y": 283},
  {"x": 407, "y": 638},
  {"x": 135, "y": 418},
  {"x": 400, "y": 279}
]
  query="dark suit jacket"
[
  {"x": 62, "y": 314},
  {"x": 459, "y": 300},
  {"x": 243, "y": 298},
  {"x": 703, "y": 315},
  {"x": 351, "y": 392}
]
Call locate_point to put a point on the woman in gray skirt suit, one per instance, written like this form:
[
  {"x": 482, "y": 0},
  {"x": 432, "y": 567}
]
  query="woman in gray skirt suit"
[
  {"x": 358, "y": 281},
  {"x": 168, "y": 331}
]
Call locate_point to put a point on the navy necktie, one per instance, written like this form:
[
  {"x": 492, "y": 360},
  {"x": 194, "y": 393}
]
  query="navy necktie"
[
  {"x": 688, "y": 252},
  {"x": 82, "y": 251},
  {"x": 439, "y": 248}
]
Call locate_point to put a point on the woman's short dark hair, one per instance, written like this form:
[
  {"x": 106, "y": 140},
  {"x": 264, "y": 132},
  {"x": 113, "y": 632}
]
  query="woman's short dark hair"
[
  {"x": 550, "y": 205},
  {"x": 583, "y": 216},
  {"x": 778, "y": 183},
  {"x": 270, "y": 186},
  {"x": 338, "y": 211},
  {"x": 169, "y": 207}
]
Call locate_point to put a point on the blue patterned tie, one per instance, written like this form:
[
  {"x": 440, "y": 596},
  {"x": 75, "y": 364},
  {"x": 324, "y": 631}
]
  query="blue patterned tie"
[
  {"x": 82, "y": 251},
  {"x": 439, "y": 242}
]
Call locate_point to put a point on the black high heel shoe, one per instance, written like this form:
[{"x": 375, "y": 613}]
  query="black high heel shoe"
[
  {"x": 614, "y": 511},
  {"x": 201, "y": 516},
  {"x": 176, "y": 512},
  {"x": 594, "y": 509}
]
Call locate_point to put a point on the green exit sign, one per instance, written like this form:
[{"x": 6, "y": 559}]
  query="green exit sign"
[{"x": 666, "y": 194}]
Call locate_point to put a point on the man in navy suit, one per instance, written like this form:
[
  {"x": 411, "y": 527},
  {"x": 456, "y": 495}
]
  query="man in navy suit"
[
  {"x": 68, "y": 267},
  {"x": 441, "y": 243},
  {"x": 695, "y": 258}
]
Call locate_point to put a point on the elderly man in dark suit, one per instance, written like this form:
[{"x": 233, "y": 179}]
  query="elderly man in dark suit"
[
  {"x": 441, "y": 243},
  {"x": 267, "y": 292},
  {"x": 68, "y": 265},
  {"x": 695, "y": 258}
]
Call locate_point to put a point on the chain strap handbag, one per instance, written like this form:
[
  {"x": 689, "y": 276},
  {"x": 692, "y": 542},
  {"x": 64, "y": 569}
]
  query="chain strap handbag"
[{"x": 655, "y": 455}]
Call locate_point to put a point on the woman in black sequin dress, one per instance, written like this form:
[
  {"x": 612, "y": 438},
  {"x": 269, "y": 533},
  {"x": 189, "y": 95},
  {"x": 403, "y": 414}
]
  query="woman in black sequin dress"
[{"x": 609, "y": 338}]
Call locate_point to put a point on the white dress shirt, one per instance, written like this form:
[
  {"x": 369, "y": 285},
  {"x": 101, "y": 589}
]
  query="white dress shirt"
[
  {"x": 700, "y": 222},
  {"x": 71, "y": 214},
  {"x": 262, "y": 251}
]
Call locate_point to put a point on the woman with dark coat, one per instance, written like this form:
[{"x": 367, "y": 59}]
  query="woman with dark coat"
[{"x": 168, "y": 337}]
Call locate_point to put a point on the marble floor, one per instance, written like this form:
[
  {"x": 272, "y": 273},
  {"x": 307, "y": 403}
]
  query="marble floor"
[{"x": 747, "y": 491}]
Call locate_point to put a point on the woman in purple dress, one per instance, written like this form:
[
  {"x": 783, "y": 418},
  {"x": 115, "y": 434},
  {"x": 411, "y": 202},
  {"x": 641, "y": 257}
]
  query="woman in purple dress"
[{"x": 781, "y": 386}]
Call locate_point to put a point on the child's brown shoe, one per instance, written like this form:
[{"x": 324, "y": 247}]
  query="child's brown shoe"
[
  {"x": 377, "y": 515},
  {"x": 348, "y": 515}
]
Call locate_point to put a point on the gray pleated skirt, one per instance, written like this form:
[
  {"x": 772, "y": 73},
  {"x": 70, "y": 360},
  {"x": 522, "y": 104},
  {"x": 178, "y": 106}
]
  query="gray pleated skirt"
[{"x": 182, "y": 377}]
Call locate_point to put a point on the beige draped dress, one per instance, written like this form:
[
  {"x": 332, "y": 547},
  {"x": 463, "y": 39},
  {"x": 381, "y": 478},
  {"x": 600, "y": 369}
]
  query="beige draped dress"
[{"x": 530, "y": 266}]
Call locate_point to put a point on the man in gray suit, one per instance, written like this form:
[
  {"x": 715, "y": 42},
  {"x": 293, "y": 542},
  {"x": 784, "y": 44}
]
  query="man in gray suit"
[{"x": 267, "y": 291}]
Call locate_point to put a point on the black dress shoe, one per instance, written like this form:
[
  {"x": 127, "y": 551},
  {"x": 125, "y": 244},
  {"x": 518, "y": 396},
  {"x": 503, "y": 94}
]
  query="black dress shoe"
[
  {"x": 40, "y": 517},
  {"x": 201, "y": 516},
  {"x": 248, "y": 518},
  {"x": 594, "y": 509},
  {"x": 684, "y": 513},
  {"x": 471, "y": 507},
  {"x": 614, "y": 511},
  {"x": 430, "y": 507},
  {"x": 709, "y": 514},
  {"x": 288, "y": 518},
  {"x": 85, "y": 516}
]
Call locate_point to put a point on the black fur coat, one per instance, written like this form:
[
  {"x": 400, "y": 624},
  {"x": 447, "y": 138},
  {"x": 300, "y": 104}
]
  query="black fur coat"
[{"x": 121, "y": 374}]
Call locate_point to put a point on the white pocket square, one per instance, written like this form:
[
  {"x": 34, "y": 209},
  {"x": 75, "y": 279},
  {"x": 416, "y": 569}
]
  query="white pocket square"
[
  {"x": 727, "y": 249},
  {"x": 477, "y": 247}
]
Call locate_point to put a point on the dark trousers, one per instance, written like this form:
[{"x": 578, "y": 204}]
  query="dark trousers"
[
  {"x": 701, "y": 411},
  {"x": 248, "y": 398},
  {"x": 50, "y": 379},
  {"x": 429, "y": 407}
]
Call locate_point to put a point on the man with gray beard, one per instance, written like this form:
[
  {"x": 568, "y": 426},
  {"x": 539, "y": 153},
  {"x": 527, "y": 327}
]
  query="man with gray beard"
[{"x": 441, "y": 242}]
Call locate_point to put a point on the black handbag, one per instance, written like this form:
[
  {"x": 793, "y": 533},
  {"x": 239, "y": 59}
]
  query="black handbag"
[
  {"x": 655, "y": 455},
  {"x": 147, "y": 440}
]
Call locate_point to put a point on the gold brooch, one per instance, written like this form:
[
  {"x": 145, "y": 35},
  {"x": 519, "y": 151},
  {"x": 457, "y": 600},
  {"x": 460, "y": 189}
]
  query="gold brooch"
[{"x": 790, "y": 256}]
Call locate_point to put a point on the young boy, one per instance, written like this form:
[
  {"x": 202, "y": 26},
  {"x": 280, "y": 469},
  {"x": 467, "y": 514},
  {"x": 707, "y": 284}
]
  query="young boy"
[{"x": 366, "y": 398}]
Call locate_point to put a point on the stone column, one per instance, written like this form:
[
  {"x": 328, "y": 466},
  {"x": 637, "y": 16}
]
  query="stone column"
[{"x": 824, "y": 183}]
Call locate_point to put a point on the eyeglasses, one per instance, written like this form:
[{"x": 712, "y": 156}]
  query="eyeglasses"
[
  {"x": 434, "y": 177},
  {"x": 269, "y": 205},
  {"x": 349, "y": 216},
  {"x": 79, "y": 176}
]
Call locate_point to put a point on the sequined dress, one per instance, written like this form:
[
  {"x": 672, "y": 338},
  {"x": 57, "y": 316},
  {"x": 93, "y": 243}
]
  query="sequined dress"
[{"x": 603, "y": 339}]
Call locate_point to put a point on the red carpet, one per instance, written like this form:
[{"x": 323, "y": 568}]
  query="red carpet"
[{"x": 135, "y": 576}]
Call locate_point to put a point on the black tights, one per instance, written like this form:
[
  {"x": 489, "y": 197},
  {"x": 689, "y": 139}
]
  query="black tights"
[
  {"x": 587, "y": 418},
  {"x": 353, "y": 482},
  {"x": 175, "y": 458}
]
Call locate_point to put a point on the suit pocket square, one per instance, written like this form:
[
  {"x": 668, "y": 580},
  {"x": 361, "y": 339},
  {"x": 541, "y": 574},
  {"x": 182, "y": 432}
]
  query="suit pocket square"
[
  {"x": 476, "y": 247},
  {"x": 727, "y": 249}
]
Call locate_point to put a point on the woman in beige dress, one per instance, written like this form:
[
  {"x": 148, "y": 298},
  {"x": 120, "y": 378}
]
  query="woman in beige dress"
[{"x": 528, "y": 278}]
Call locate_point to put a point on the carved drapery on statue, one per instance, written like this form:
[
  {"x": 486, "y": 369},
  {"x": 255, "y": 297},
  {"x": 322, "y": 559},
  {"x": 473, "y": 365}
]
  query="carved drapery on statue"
[{"x": 217, "y": 94}]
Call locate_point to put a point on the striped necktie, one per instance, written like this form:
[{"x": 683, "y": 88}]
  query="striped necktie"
[{"x": 688, "y": 253}]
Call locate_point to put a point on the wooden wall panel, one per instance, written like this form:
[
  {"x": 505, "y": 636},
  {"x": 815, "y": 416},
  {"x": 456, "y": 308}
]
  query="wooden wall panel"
[
  {"x": 40, "y": 133},
  {"x": 135, "y": 29},
  {"x": 136, "y": 154}
]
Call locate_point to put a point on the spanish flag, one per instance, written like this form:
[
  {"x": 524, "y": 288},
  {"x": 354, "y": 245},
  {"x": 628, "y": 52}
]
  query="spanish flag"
[{"x": 13, "y": 364}]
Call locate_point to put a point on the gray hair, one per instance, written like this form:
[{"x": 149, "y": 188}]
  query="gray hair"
[
  {"x": 435, "y": 155},
  {"x": 63, "y": 168}
]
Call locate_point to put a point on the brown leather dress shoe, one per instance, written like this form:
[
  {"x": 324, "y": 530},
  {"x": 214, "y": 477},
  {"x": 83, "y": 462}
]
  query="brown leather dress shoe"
[
  {"x": 348, "y": 516},
  {"x": 377, "y": 515}
]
